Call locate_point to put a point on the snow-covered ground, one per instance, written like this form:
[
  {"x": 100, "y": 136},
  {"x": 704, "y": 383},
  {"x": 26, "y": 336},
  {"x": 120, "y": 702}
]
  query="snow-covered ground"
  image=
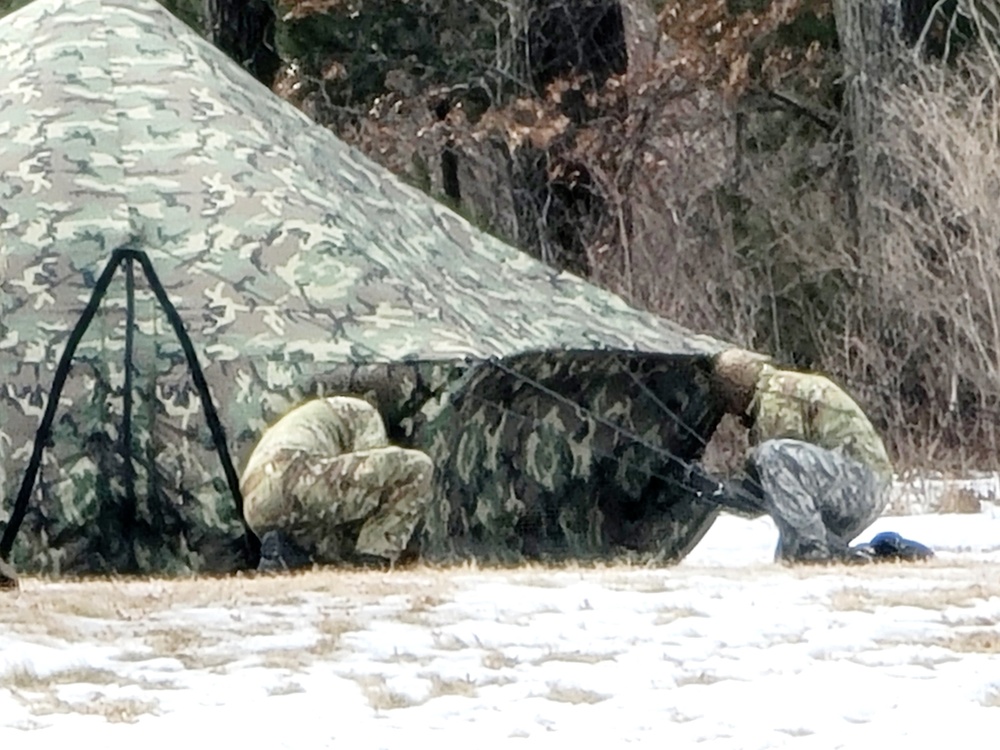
[{"x": 726, "y": 650}]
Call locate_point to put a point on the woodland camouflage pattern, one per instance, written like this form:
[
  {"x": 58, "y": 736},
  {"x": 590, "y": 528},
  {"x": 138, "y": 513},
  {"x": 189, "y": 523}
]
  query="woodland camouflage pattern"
[
  {"x": 297, "y": 268},
  {"x": 326, "y": 476}
]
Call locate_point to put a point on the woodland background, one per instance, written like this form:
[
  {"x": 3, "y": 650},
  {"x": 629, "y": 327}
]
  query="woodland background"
[{"x": 816, "y": 179}]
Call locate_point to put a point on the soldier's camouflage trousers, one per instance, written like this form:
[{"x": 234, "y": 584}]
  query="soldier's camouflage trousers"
[
  {"x": 318, "y": 500},
  {"x": 819, "y": 499}
]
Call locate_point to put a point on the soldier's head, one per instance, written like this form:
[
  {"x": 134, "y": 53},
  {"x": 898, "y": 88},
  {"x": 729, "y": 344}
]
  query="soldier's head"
[{"x": 735, "y": 373}]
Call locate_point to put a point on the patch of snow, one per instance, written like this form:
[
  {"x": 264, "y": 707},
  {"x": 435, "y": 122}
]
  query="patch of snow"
[{"x": 725, "y": 650}]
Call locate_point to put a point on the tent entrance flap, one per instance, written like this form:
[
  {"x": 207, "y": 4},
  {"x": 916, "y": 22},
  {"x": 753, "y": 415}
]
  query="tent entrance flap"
[{"x": 125, "y": 259}]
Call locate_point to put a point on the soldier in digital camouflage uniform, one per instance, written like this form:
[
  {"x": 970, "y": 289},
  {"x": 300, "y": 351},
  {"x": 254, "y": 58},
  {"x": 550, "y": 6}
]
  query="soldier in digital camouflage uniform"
[
  {"x": 816, "y": 466},
  {"x": 323, "y": 484}
]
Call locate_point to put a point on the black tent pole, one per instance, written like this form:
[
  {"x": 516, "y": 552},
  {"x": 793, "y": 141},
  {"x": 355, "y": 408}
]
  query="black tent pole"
[
  {"x": 201, "y": 385},
  {"x": 129, "y": 507},
  {"x": 44, "y": 433}
]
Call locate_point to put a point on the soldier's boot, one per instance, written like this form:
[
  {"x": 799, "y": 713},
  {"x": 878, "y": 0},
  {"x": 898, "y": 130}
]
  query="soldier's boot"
[
  {"x": 8, "y": 577},
  {"x": 278, "y": 553}
]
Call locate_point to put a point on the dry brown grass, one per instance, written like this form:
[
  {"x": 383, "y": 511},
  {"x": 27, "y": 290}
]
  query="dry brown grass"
[
  {"x": 851, "y": 599},
  {"x": 579, "y": 657},
  {"x": 425, "y": 602},
  {"x": 405, "y": 657},
  {"x": 286, "y": 688},
  {"x": 973, "y": 642},
  {"x": 420, "y": 610},
  {"x": 447, "y": 641},
  {"x": 25, "y": 678},
  {"x": 495, "y": 681},
  {"x": 573, "y": 694},
  {"x": 291, "y": 659},
  {"x": 380, "y": 696},
  {"x": 959, "y": 500},
  {"x": 172, "y": 640},
  {"x": 114, "y": 710},
  {"x": 698, "y": 678},
  {"x": 331, "y": 628},
  {"x": 498, "y": 660},
  {"x": 137, "y": 598},
  {"x": 982, "y": 641},
  {"x": 863, "y": 600},
  {"x": 193, "y": 647},
  {"x": 441, "y": 686},
  {"x": 668, "y": 615}
]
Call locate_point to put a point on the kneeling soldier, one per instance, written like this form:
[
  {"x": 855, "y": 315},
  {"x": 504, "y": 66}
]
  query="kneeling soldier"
[
  {"x": 324, "y": 485},
  {"x": 816, "y": 466}
]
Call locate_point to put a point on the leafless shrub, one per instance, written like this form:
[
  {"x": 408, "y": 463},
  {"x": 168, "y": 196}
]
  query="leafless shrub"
[{"x": 960, "y": 500}]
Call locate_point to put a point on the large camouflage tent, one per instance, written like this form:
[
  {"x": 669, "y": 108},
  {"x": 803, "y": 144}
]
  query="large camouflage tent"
[{"x": 183, "y": 256}]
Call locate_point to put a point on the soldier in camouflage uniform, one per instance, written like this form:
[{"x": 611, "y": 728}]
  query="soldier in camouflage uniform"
[
  {"x": 324, "y": 481},
  {"x": 816, "y": 466}
]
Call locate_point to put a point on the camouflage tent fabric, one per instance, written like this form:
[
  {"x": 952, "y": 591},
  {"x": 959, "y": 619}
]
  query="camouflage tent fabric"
[{"x": 184, "y": 256}]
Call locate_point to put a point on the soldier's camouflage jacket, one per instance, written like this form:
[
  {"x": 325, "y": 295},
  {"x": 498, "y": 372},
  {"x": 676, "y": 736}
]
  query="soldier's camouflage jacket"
[
  {"x": 810, "y": 407},
  {"x": 183, "y": 256}
]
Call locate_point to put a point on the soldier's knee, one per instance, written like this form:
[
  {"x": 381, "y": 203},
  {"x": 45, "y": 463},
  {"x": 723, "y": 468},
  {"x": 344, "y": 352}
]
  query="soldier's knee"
[
  {"x": 417, "y": 464},
  {"x": 769, "y": 455}
]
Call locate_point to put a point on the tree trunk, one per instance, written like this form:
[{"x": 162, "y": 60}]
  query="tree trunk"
[{"x": 244, "y": 30}]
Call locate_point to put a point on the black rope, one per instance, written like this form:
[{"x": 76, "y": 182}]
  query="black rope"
[
  {"x": 748, "y": 479},
  {"x": 670, "y": 458},
  {"x": 201, "y": 385},
  {"x": 44, "y": 433},
  {"x": 129, "y": 506},
  {"x": 579, "y": 409}
]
